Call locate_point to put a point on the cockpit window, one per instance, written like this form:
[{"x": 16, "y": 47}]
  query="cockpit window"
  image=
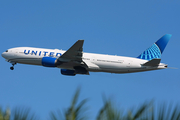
[{"x": 6, "y": 50}]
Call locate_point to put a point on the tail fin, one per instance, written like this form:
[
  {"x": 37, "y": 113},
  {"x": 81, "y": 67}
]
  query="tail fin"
[{"x": 156, "y": 49}]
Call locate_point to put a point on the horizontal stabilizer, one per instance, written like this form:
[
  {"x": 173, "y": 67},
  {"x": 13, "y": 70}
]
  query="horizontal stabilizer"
[{"x": 153, "y": 62}]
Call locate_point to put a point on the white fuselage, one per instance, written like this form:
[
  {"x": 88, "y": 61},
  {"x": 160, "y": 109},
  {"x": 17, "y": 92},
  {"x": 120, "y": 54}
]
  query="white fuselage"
[{"x": 94, "y": 62}]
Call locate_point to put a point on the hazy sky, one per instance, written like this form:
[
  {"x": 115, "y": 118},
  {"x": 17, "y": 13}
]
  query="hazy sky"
[{"x": 115, "y": 27}]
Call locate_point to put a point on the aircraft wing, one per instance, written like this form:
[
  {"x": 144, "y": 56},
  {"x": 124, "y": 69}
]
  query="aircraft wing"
[
  {"x": 73, "y": 56},
  {"x": 74, "y": 53}
]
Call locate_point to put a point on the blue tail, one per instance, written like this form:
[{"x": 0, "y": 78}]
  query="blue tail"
[{"x": 156, "y": 49}]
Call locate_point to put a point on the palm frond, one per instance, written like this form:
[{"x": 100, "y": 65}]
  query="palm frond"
[{"x": 23, "y": 114}]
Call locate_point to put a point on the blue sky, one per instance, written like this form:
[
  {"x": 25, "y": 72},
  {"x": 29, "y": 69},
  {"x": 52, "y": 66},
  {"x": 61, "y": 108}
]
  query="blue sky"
[{"x": 115, "y": 27}]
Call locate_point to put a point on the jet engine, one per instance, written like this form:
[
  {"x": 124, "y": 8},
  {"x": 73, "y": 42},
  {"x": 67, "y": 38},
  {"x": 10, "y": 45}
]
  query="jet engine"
[
  {"x": 49, "y": 61},
  {"x": 77, "y": 70},
  {"x": 68, "y": 72}
]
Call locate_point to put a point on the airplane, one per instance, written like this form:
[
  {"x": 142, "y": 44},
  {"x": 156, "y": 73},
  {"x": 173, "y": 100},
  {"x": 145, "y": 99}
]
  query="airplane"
[{"x": 75, "y": 61}]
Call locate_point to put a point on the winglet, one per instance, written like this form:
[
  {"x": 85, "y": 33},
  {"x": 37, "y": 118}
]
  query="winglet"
[{"x": 156, "y": 49}]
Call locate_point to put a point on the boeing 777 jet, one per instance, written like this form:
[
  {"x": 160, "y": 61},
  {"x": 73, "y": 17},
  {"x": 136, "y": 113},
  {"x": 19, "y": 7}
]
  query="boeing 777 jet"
[{"x": 75, "y": 61}]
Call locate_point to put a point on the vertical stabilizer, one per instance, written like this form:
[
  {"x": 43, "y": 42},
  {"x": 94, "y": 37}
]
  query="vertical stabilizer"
[{"x": 156, "y": 49}]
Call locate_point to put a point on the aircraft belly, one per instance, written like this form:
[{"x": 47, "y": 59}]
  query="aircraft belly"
[
  {"x": 32, "y": 61},
  {"x": 28, "y": 59},
  {"x": 112, "y": 67},
  {"x": 125, "y": 67}
]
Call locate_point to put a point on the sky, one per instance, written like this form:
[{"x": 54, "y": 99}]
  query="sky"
[{"x": 116, "y": 27}]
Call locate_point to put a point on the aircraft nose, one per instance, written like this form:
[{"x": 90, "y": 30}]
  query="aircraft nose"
[{"x": 3, "y": 54}]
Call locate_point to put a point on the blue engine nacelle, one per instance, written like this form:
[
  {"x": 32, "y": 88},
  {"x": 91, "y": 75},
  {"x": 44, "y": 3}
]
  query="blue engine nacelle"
[
  {"x": 49, "y": 61},
  {"x": 68, "y": 72}
]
